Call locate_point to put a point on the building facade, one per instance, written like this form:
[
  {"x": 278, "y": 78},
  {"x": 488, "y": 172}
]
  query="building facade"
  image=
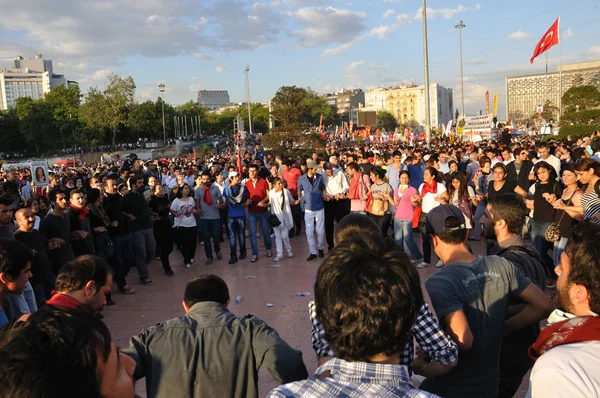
[
  {"x": 407, "y": 104},
  {"x": 213, "y": 99},
  {"x": 348, "y": 102},
  {"x": 30, "y": 77},
  {"x": 525, "y": 92},
  {"x": 375, "y": 99}
]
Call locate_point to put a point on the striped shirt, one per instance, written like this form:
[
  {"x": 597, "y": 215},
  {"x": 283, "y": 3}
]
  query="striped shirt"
[{"x": 591, "y": 206}]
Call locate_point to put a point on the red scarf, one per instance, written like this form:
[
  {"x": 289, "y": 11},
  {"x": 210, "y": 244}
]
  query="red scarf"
[
  {"x": 83, "y": 211},
  {"x": 429, "y": 187},
  {"x": 66, "y": 302},
  {"x": 207, "y": 197},
  {"x": 585, "y": 328},
  {"x": 354, "y": 192}
]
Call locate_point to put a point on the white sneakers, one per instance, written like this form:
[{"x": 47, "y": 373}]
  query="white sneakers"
[
  {"x": 277, "y": 258},
  {"x": 439, "y": 264},
  {"x": 423, "y": 264}
]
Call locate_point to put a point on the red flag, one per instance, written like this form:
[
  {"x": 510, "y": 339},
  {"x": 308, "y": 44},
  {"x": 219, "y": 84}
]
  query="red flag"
[
  {"x": 239, "y": 165},
  {"x": 550, "y": 39}
]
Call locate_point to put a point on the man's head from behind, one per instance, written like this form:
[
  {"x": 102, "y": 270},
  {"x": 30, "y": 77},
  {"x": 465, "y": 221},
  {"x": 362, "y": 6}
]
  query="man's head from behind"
[
  {"x": 367, "y": 298},
  {"x": 87, "y": 279},
  {"x": 205, "y": 288},
  {"x": 59, "y": 353},
  {"x": 578, "y": 282},
  {"x": 15, "y": 266},
  {"x": 508, "y": 213},
  {"x": 446, "y": 227}
]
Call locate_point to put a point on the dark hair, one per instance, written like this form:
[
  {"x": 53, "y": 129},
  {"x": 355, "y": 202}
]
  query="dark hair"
[
  {"x": 205, "y": 173},
  {"x": 396, "y": 153},
  {"x": 93, "y": 195},
  {"x": 206, "y": 288},
  {"x": 76, "y": 273},
  {"x": 404, "y": 172},
  {"x": 585, "y": 164},
  {"x": 379, "y": 172},
  {"x": 511, "y": 208},
  {"x": 133, "y": 181},
  {"x": 6, "y": 200},
  {"x": 544, "y": 165},
  {"x": 30, "y": 354},
  {"x": 584, "y": 252},
  {"x": 353, "y": 166},
  {"x": 502, "y": 166},
  {"x": 179, "y": 194},
  {"x": 451, "y": 235},
  {"x": 367, "y": 298},
  {"x": 595, "y": 145},
  {"x": 354, "y": 225},
  {"x": 434, "y": 173},
  {"x": 252, "y": 166},
  {"x": 463, "y": 190},
  {"x": 14, "y": 257}
]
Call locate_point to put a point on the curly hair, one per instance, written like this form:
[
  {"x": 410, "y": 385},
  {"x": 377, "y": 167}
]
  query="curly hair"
[{"x": 584, "y": 252}]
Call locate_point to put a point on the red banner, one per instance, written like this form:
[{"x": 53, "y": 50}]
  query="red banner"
[{"x": 550, "y": 39}]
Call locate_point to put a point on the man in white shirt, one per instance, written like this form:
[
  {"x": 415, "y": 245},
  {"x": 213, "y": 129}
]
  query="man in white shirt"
[
  {"x": 568, "y": 364},
  {"x": 545, "y": 155},
  {"x": 337, "y": 205}
]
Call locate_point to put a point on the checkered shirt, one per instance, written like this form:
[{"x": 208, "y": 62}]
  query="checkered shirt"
[
  {"x": 353, "y": 379},
  {"x": 427, "y": 332}
]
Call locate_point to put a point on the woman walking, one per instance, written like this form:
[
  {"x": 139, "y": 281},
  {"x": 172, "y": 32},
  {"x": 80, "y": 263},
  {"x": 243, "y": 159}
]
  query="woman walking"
[
  {"x": 432, "y": 193},
  {"x": 184, "y": 210},
  {"x": 377, "y": 204},
  {"x": 281, "y": 200},
  {"x": 568, "y": 209},
  {"x": 163, "y": 231},
  {"x": 481, "y": 180},
  {"x": 401, "y": 200}
]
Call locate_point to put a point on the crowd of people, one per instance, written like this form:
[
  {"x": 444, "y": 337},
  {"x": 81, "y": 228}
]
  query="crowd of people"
[{"x": 383, "y": 209}]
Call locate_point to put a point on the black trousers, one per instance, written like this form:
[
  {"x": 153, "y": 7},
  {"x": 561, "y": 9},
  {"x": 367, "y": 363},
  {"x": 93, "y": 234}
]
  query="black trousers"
[
  {"x": 335, "y": 210},
  {"x": 297, "y": 216},
  {"x": 163, "y": 235},
  {"x": 383, "y": 222},
  {"x": 187, "y": 238}
]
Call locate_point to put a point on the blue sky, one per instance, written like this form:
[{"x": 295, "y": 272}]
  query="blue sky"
[{"x": 327, "y": 45}]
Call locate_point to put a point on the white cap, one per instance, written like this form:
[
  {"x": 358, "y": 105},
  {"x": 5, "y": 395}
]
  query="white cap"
[{"x": 232, "y": 174}]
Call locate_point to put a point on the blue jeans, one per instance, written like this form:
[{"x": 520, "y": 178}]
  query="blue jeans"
[
  {"x": 236, "y": 226},
  {"x": 403, "y": 233},
  {"x": 264, "y": 226},
  {"x": 476, "y": 228},
  {"x": 23, "y": 303},
  {"x": 559, "y": 248},
  {"x": 538, "y": 238}
]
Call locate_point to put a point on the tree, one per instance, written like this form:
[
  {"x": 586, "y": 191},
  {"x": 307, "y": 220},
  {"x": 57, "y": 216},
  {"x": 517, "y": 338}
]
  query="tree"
[
  {"x": 93, "y": 113},
  {"x": 119, "y": 95},
  {"x": 580, "y": 98},
  {"x": 386, "y": 121},
  {"x": 10, "y": 136},
  {"x": 65, "y": 104},
  {"x": 299, "y": 107},
  {"x": 291, "y": 141},
  {"x": 550, "y": 112},
  {"x": 143, "y": 118},
  {"x": 36, "y": 125}
]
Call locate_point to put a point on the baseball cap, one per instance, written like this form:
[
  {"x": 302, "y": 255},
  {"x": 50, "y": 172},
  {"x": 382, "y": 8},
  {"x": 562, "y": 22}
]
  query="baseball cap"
[
  {"x": 232, "y": 174},
  {"x": 311, "y": 164},
  {"x": 436, "y": 219}
]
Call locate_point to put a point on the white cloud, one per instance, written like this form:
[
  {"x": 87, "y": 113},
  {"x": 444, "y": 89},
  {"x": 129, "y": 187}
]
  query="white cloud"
[
  {"x": 475, "y": 61},
  {"x": 329, "y": 25},
  {"x": 594, "y": 50},
  {"x": 219, "y": 69},
  {"x": 388, "y": 14},
  {"x": 353, "y": 74},
  {"x": 519, "y": 35},
  {"x": 404, "y": 19},
  {"x": 339, "y": 49},
  {"x": 202, "y": 56},
  {"x": 446, "y": 13},
  {"x": 392, "y": 1},
  {"x": 382, "y": 31},
  {"x": 568, "y": 33},
  {"x": 374, "y": 66}
]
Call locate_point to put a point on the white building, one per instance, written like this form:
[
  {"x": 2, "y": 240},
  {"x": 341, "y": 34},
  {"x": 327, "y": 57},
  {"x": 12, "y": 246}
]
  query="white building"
[
  {"x": 442, "y": 105},
  {"x": 30, "y": 77},
  {"x": 213, "y": 99},
  {"x": 375, "y": 99}
]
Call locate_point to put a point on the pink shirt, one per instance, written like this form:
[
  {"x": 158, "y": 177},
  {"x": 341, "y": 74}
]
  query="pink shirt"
[{"x": 404, "y": 206}]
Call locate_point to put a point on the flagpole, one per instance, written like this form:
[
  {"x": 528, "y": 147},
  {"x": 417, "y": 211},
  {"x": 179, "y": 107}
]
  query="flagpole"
[{"x": 560, "y": 93}]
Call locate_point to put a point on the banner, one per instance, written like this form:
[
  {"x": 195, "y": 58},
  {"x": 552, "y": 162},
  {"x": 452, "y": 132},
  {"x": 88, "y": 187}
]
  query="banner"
[
  {"x": 478, "y": 123},
  {"x": 39, "y": 174},
  {"x": 495, "y": 104},
  {"x": 487, "y": 102}
]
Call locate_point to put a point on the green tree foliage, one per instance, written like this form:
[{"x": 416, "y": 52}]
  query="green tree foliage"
[
  {"x": 386, "y": 121},
  {"x": 550, "y": 112},
  {"x": 580, "y": 98},
  {"x": 299, "y": 108}
]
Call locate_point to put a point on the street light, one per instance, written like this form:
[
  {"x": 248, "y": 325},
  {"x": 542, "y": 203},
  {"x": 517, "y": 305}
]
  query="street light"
[
  {"x": 460, "y": 25},
  {"x": 426, "y": 71},
  {"x": 161, "y": 89}
]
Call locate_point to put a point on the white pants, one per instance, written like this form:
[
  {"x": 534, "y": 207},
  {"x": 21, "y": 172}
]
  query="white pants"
[
  {"x": 282, "y": 234},
  {"x": 309, "y": 220}
]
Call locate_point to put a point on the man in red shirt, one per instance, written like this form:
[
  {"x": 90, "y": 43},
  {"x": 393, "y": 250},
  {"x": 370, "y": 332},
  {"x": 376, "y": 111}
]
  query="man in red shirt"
[
  {"x": 291, "y": 175},
  {"x": 258, "y": 189}
]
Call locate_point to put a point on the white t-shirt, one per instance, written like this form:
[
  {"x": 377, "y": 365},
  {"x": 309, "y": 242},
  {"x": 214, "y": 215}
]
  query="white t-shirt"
[
  {"x": 570, "y": 370},
  {"x": 429, "y": 201},
  {"x": 188, "y": 218}
]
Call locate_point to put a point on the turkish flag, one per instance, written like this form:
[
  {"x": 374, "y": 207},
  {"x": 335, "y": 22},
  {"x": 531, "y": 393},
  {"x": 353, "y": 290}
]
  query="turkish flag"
[{"x": 549, "y": 40}]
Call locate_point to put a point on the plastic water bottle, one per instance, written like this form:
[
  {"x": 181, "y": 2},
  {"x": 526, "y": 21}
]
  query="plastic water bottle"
[
  {"x": 238, "y": 299},
  {"x": 303, "y": 294}
]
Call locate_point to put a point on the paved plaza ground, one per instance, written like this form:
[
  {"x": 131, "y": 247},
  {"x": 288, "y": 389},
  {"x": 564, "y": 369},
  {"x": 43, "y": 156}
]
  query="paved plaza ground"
[{"x": 276, "y": 285}]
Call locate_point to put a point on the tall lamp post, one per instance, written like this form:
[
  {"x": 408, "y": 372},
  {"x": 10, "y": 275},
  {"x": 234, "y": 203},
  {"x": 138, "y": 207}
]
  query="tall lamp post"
[
  {"x": 460, "y": 25},
  {"x": 161, "y": 89},
  {"x": 426, "y": 71}
]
